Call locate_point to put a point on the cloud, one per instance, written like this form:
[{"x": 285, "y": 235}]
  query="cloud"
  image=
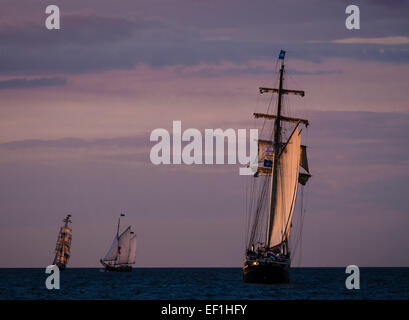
[
  {"x": 382, "y": 140},
  {"x": 78, "y": 143},
  {"x": 387, "y": 41},
  {"x": 22, "y": 83},
  {"x": 223, "y": 70},
  {"x": 77, "y": 28},
  {"x": 170, "y": 34}
]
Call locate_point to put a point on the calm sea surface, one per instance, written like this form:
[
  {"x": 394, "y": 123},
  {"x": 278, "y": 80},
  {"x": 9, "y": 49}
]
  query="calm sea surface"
[{"x": 202, "y": 283}]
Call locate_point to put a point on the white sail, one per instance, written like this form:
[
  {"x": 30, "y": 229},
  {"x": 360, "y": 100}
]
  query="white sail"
[
  {"x": 113, "y": 251},
  {"x": 132, "y": 250},
  {"x": 124, "y": 246},
  {"x": 287, "y": 182}
]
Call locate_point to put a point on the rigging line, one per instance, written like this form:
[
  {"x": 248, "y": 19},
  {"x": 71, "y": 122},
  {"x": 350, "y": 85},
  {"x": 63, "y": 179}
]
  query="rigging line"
[
  {"x": 294, "y": 234},
  {"x": 249, "y": 210},
  {"x": 259, "y": 209},
  {"x": 260, "y": 202},
  {"x": 246, "y": 212},
  {"x": 298, "y": 243},
  {"x": 268, "y": 109},
  {"x": 250, "y": 195},
  {"x": 301, "y": 225},
  {"x": 296, "y": 84},
  {"x": 272, "y": 96},
  {"x": 251, "y": 204}
]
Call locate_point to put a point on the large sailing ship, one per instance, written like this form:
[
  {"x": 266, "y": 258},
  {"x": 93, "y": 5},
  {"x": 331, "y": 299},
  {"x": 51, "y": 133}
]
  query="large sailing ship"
[
  {"x": 282, "y": 165},
  {"x": 122, "y": 254},
  {"x": 63, "y": 246}
]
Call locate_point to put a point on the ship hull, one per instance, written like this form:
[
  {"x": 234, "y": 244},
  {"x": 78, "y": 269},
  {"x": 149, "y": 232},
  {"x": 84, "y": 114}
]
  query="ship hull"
[
  {"x": 268, "y": 273},
  {"x": 61, "y": 267},
  {"x": 116, "y": 268}
]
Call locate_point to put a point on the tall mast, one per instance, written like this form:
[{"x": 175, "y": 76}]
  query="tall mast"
[
  {"x": 67, "y": 220},
  {"x": 117, "y": 234},
  {"x": 117, "y": 230},
  {"x": 277, "y": 145}
]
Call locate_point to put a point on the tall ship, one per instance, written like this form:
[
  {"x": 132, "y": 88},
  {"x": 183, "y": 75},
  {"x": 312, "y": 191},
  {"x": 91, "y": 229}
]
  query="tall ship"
[
  {"x": 122, "y": 254},
  {"x": 282, "y": 166},
  {"x": 63, "y": 246}
]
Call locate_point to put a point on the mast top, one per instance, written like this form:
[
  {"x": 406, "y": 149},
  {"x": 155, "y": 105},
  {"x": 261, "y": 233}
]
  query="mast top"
[
  {"x": 280, "y": 91},
  {"x": 67, "y": 219}
]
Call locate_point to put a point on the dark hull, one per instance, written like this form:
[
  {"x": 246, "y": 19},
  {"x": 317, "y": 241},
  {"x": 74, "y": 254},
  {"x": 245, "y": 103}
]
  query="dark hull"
[
  {"x": 60, "y": 266},
  {"x": 267, "y": 273},
  {"x": 116, "y": 268}
]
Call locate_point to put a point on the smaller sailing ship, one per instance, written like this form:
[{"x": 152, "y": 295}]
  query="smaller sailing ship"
[
  {"x": 122, "y": 254},
  {"x": 62, "y": 249}
]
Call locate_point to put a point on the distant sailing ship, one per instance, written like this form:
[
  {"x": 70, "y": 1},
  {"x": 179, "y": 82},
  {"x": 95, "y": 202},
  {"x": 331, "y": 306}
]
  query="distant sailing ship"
[
  {"x": 62, "y": 249},
  {"x": 122, "y": 254},
  {"x": 282, "y": 165}
]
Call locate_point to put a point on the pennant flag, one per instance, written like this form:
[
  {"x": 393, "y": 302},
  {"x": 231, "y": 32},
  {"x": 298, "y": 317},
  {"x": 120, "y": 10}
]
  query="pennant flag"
[
  {"x": 122, "y": 214},
  {"x": 282, "y": 55}
]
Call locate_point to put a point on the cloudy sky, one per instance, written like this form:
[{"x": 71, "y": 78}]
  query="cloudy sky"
[{"x": 78, "y": 105}]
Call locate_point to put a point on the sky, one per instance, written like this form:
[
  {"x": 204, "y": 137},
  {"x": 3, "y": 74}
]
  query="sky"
[{"x": 77, "y": 106}]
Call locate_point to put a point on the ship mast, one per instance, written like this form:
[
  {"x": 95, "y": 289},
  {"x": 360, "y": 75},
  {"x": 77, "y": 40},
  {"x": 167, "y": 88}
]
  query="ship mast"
[
  {"x": 63, "y": 243},
  {"x": 277, "y": 140},
  {"x": 117, "y": 238},
  {"x": 117, "y": 234},
  {"x": 67, "y": 220}
]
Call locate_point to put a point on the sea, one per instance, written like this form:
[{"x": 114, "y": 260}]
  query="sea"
[{"x": 202, "y": 284}]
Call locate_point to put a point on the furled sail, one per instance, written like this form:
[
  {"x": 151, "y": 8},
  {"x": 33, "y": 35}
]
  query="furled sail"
[
  {"x": 124, "y": 246},
  {"x": 287, "y": 183},
  {"x": 132, "y": 250}
]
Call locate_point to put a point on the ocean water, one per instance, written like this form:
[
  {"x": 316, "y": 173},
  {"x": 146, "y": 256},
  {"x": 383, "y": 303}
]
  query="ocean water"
[{"x": 202, "y": 283}]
